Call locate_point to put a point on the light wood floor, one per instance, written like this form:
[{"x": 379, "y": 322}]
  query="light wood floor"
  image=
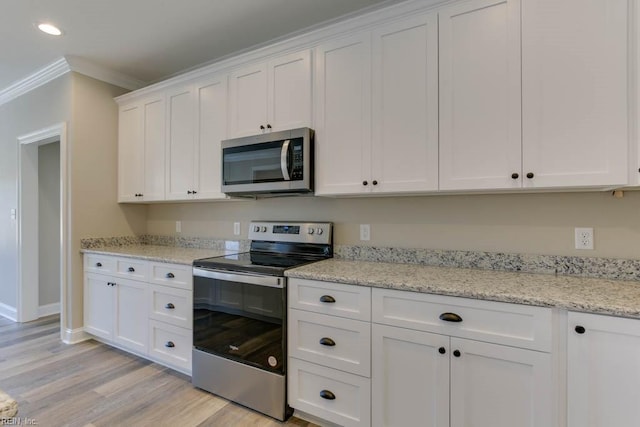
[{"x": 92, "y": 384}]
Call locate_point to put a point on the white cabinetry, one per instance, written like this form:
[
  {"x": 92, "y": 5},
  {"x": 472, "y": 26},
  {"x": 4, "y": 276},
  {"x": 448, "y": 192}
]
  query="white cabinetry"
[
  {"x": 329, "y": 340},
  {"x": 575, "y": 92},
  {"x": 140, "y": 306},
  {"x": 274, "y": 95},
  {"x": 376, "y": 110},
  {"x": 141, "y": 150},
  {"x": 603, "y": 371},
  {"x": 480, "y": 106},
  {"x": 426, "y": 367},
  {"x": 196, "y": 124}
]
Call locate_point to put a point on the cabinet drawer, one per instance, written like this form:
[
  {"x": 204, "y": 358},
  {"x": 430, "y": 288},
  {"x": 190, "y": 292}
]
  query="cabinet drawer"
[
  {"x": 95, "y": 263},
  {"x": 132, "y": 268},
  {"x": 353, "y": 302},
  {"x": 330, "y": 341},
  {"x": 172, "y": 305},
  {"x": 170, "y": 344},
  {"x": 179, "y": 276},
  {"x": 502, "y": 323},
  {"x": 351, "y": 405}
]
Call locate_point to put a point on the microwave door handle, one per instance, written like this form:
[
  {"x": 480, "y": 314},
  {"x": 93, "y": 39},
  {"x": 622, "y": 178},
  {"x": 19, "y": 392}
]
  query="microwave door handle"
[{"x": 284, "y": 157}]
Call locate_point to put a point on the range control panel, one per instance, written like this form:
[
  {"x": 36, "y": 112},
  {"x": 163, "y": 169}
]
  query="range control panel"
[{"x": 298, "y": 232}]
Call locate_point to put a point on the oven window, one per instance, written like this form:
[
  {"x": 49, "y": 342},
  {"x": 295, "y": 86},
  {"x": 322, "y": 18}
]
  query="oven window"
[
  {"x": 240, "y": 321},
  {"x": 252, "y": 163}
]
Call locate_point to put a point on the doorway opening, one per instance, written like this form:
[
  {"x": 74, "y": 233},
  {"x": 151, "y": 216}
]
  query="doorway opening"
[{"x": 42, "y": 225}]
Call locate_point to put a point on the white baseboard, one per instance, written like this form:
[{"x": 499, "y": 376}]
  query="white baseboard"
[
  {"x": 49, "y": 309},
  {"x": 74, "y": 336},
  {"x": 9, "y": 312}
]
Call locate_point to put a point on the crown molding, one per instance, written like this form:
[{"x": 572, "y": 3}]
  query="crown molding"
[
  {"x": 32, "y": 81},
  {"x": 62, "y": 66}
]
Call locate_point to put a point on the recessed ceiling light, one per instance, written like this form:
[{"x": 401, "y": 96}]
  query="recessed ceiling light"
[{"x": 50, "y": 29}]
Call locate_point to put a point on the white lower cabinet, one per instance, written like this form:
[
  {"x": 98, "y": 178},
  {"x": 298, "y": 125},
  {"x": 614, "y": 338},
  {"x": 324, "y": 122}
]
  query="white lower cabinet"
[
  {"x": 432, "y": 361},
  {"x": 124, "y": 305},
  {"x": 603, "y": 371}
]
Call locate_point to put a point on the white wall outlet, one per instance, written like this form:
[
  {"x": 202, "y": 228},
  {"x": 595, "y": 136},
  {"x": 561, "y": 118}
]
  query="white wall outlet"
[
  {"x": 584, "y": 238},
  {"x": 236, "y": 228},
  {"x": 13, "y": 214},
  {"x": 178, "y": 226},
  {"x": 365, "y": 232}
]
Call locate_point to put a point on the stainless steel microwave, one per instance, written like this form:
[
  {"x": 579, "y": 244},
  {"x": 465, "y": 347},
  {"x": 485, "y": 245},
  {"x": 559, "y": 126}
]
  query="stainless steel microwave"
[{"x": 271, "y": 163}]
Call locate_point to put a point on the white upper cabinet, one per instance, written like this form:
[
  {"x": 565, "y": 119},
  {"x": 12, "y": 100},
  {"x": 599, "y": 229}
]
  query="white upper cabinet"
[
  {"x": 196, "y": 124},
  {"x": 275, "y": 95},
  {"x": 181, "y": 114},
  {"x": 574, "y": 91},
  {"x": 211, "y": 100},
  {"x": 480, "y": 104},
  {"x": 405, "y": 106},
  {"x": 343, "y": 115},
  {"x": 377, "y": 110},
  {"x": 141, "y": 152}
]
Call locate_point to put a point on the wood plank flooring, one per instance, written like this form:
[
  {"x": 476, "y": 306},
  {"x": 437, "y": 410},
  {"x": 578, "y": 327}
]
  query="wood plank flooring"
[{"x": 92, "y": 384}]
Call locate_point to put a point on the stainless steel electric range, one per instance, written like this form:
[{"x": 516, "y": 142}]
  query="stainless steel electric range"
[{"x": 240, "y": 314}]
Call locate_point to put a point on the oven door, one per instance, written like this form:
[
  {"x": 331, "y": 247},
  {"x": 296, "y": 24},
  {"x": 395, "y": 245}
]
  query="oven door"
[{"x": 241, "y": 317}]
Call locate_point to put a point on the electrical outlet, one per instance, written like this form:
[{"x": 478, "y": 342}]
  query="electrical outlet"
[
  {"x": 236, "y": 228},
  {"x": 584, "y": 238},
  {"x": 365, "y": 232},
  {"x": 178, "y": 226}
]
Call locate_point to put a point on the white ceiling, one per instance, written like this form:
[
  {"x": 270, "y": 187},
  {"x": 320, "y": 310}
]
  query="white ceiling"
[{"x": 151, "y": 39}]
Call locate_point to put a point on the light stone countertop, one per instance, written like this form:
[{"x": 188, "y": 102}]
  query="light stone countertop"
[
  {"x": 168, "y": 254},
  {"x": 603, "y": 296}
]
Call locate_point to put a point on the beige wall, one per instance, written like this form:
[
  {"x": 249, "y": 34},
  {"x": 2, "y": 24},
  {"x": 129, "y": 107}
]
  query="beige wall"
[
  {"x": 519, "y": 223},
  {"x": 43, "y": 107},
  {"x": 49, "y": 223},
  {"x": 93, "y": 169}
]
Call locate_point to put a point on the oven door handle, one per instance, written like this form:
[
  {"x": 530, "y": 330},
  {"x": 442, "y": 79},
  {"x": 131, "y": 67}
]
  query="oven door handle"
[
  {"x": 252, "y": 279},
  {"x": 284, "y": 160}
]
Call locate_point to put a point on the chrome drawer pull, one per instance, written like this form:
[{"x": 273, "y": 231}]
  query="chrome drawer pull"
[
  {"x": 327, "y": 341},
  {"x": 170, "y": 344},
  {"x": 326, "y": 394},
  {"x": 327, "y": 299},
  {"x": 170, "y": 306},
  {"x": 450, "y": 317}
]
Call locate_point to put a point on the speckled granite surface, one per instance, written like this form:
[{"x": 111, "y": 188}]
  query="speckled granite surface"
[
  {"x": 604, "y": 296},
  {"x": 175, "y": 241},
  {"x": 169, "y": 254},
  {"x": 606, "y": 268}
]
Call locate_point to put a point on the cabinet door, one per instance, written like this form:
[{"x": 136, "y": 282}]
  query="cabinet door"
[
  {"x": 153, "y": 119},
  {"x": 480, "y": 101},
  {"x": 603, "y": 371},
  {"x": 180, "y": 143},
  {"x": 211, "y": 96},
  {"x": 574, "y": 56},
  {"x": 405, "y": 106},
  {"x": 410, "y": 378},
  {"x": 130, "y": 153},
  {"x": 500, "y": 386},
  {"x": 290, "y": 91},
  {"x": 98, "y": 305},
  {"x": 248, "y": 100},
  {"x": 131, "y": 312},
  {"x": 343, "y": 116}
]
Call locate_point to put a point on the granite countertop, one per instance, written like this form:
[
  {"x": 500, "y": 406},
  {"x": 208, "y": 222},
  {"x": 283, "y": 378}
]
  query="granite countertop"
[
  {"x": 603, "y": 296},
  {"x": 169, "y": 254}
]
